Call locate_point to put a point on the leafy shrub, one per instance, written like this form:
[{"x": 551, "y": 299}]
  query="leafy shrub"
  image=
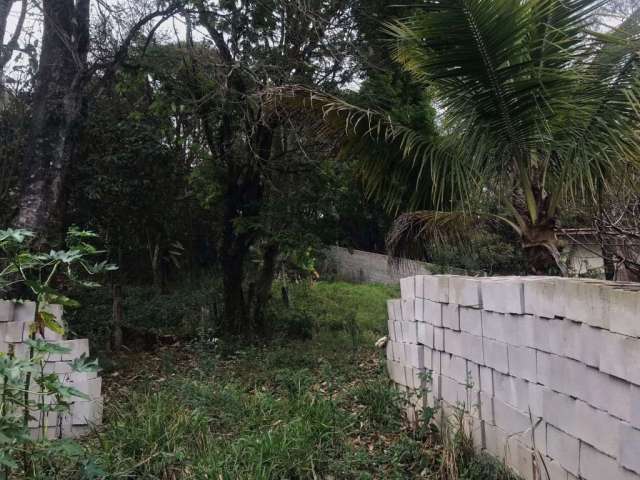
[{"x": 27, "y": 392}]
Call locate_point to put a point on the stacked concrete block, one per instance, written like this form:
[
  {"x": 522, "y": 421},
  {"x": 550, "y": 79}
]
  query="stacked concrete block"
[
  {"x": 16, "y": 326},
  {"x": 546, "y": 370}
]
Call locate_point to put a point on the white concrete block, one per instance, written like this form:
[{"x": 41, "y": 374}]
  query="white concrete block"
[
  {"x": 438, "y": 338},
  {"x": 391, "y": 332},
  {"x": 634, "y": 401},
  {"x": 585, "y": 301},
  {"x": 408, "y": 288},
  {"x": 454, "y": 392},
  {"x": 495, "y": 441},
  {"x": 525, "y": 326},
  {"x": 556, "y": 471},
  {"x": 473, "y": 375},
  {"x": 597, "y": 428},
  {"x": 410, "y": 332},
  {"x": 595, "y": 465},
  {"x": 620, "y": 356},
  {"x": 13, "y": 332},
  {"x": 495, "y": 355},
  {"x": 7, "y": 309},
  {"x": 454, "y": 367},
  {"x": 522, "y": 362},
  {"x": 419, "y": 286},
  {"x": 425, "y": 334},
  {"x": 505, "y": 295},
  {"x": 394, "y": 369},
  {"x": 486, "y": 407},
  {"x": 391, "y": 312},
  {"x": 624, "y": 308},
  {"x": 453, "y": 342},
  {"x": 560, "y": 410},
  {"x": 511, "y": 390},
  {"x": 568, "y": 341},
  {"x": 436, "y": 288},
  {"x": 465, "y": 291},
  {"x": 471, "y": 320},
  {"x": 451, "y": 316},
  {"x": 397, "y": 328},
  {"x": 419, "y": 309},
  {"x": 78, "y": 347},
  {"x": 511, "y": 420},
  {"x": 607, "y": 393},
  {"x": 540, "y": 297},
  {"x": 498, "y": 326},
  {"x": 563, "y": 448},
  {"x": 389, "y": 350},
  {"x": 472, "y": 348},
  {"x": 433, "y": 313},
  {"x": 629, "y": 456},
  {"x": 397, "y": 307},
  {"x": 486, "y": 380},
  {"x": 437, "y": 361},
  {"x": 561, "y": 374},
  {"x": 414, "y": 355},
  {"x": 408, "y": 310},
  {"x": 428, "y": 358},
  {"x": 589, "y": 348},
  {"x": 89, "y": 412},
  {"x": 536, "y": 395},
  {"x": 24, "y": 312}
]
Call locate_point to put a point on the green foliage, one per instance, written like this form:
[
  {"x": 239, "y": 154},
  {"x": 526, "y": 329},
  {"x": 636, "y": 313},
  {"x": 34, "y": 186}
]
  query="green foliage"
[
  {"x": 178, "y": 312},
  {"x": 27, "y": 391},
  {"x": 484, "y": 252},
  {"x": 291, "y": 409}
]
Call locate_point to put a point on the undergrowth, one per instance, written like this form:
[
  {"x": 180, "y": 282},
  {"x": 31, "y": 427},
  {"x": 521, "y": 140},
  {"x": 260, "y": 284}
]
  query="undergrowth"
[{"x": 319, "y": 407}]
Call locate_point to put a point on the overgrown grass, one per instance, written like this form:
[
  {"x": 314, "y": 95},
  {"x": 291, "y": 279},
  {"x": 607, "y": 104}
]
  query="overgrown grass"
[{"x": 320, "y": 408}]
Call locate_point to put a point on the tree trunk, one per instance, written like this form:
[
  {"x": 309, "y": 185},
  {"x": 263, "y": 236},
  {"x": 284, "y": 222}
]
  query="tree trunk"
[
  {"x": 542, "y": 248},
  {"x": 262, "y": 290},
  {"x": 118, "y": 318},
  {"x": 57, "y": 112}
]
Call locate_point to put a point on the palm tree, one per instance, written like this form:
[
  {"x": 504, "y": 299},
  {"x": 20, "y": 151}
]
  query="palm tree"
[{"x": 537, "y": 110}]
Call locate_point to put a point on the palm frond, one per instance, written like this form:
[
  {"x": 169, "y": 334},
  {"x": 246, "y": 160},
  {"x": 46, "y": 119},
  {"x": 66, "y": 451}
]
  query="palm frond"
[
  {"x": 399, "y": 165},
  {"x": 413, "y": 234}
]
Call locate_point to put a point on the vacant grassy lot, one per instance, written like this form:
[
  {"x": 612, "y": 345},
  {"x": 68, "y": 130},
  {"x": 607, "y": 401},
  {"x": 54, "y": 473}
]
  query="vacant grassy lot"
[{"x": 314, "y": 404}]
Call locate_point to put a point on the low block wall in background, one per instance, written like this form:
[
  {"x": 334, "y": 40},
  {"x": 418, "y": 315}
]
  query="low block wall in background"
[
  {"x": 366, "y": 267},
  {"x": 547, "y": 370},
  {"x": 15, "y": 320}
]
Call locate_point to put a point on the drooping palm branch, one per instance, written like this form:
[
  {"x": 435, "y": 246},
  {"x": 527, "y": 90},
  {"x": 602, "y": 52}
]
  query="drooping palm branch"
[{"x": 537, "y": 109}]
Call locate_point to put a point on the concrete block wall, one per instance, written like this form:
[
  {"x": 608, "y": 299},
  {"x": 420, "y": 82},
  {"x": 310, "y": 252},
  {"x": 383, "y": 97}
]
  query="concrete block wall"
[
  {"x": 15, "y": 320},
  {"x": 366, "y": 267},
  {"x": 546, "y": 369}
]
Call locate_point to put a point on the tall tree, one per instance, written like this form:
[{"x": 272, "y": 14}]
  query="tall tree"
[
  {"x": 258, "y": 45},
  {"x": 56, "y": 112}
]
